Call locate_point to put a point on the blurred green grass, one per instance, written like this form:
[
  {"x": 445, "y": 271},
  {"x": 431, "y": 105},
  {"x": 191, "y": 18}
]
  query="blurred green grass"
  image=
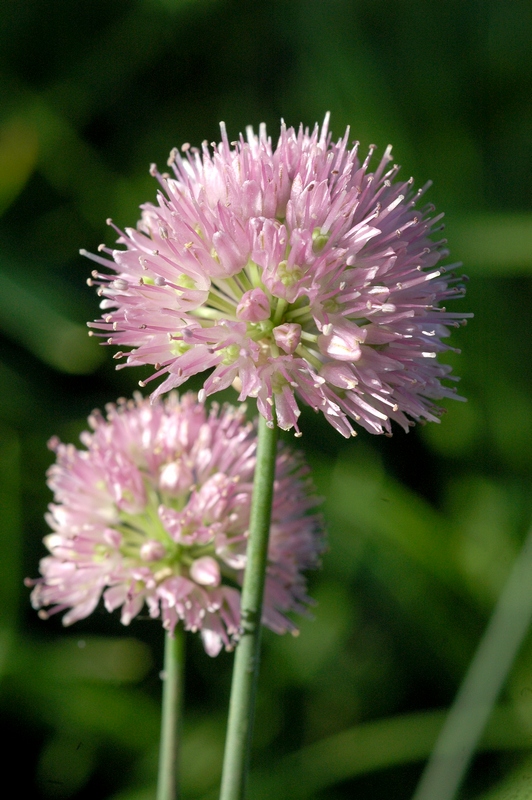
[{"x": 423, "y": 528}]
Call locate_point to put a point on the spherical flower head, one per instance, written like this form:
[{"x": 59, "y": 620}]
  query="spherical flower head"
[
  {"x": 293, "y": 272},
  {"x": 156, "y": 510}
]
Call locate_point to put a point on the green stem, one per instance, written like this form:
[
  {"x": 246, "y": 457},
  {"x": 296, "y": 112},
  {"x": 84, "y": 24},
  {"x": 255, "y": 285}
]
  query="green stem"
[
  {"x": 279, "y": 311},
  {"x": 168, "y": 782},
  {"x": 484, "y": 680},
  {"x": 246, "y": 666}
]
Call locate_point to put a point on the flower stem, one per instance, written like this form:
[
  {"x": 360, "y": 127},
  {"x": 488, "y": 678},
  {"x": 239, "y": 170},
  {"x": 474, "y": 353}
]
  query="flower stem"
[
  {"x": 168, "y": 778},
  {"x": 246, "y": 666}
]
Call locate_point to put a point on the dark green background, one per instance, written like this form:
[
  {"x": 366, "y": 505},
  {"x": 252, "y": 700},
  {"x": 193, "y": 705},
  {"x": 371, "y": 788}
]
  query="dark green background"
[{"x": 423, "y": 528}]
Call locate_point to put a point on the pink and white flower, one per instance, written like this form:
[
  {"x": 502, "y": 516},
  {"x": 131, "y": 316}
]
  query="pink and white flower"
[
  {"x": 155, "y": 511},
  {"x": 289, "y": 272}
]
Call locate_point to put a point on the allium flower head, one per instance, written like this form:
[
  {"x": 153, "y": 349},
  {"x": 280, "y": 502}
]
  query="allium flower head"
[
  {"x": 289, "y": 272},
  {"x": 156, "y": 510}
]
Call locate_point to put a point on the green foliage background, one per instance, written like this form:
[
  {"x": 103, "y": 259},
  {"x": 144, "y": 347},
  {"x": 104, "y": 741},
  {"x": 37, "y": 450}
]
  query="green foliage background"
[{"x": 423, "y": 528}]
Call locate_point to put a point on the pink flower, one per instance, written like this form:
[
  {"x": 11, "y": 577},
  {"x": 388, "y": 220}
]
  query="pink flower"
[
  {"x": 288, "y": 272},
  {"x": 155, "y": 511}
]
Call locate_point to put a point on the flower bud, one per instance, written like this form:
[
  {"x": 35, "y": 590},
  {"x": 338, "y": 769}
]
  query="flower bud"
[{"x": 205, "y": 571}]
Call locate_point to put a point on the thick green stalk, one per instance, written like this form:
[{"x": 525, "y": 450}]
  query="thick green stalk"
[
  {"x": 247, "y": 656},
  {"x": 168, "y": 778}
]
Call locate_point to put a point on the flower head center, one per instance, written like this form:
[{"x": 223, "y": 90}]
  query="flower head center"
[
  {"x": 173, "y": 530},
  {"x": 289, "y": 274}
]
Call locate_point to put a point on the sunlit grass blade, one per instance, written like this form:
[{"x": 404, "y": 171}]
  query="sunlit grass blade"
[{"x": 486, "y": 675}]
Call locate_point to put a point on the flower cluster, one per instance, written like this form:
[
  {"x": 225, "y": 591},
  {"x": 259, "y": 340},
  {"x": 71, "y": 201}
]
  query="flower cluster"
[
  {"x": 287, "y": 271},
  {"x": 156, "y": 510}
]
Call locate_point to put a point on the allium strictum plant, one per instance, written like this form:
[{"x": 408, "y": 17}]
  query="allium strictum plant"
[
  {"x": 290, "y": 273},
  {"x": 155, "y": 512}
]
